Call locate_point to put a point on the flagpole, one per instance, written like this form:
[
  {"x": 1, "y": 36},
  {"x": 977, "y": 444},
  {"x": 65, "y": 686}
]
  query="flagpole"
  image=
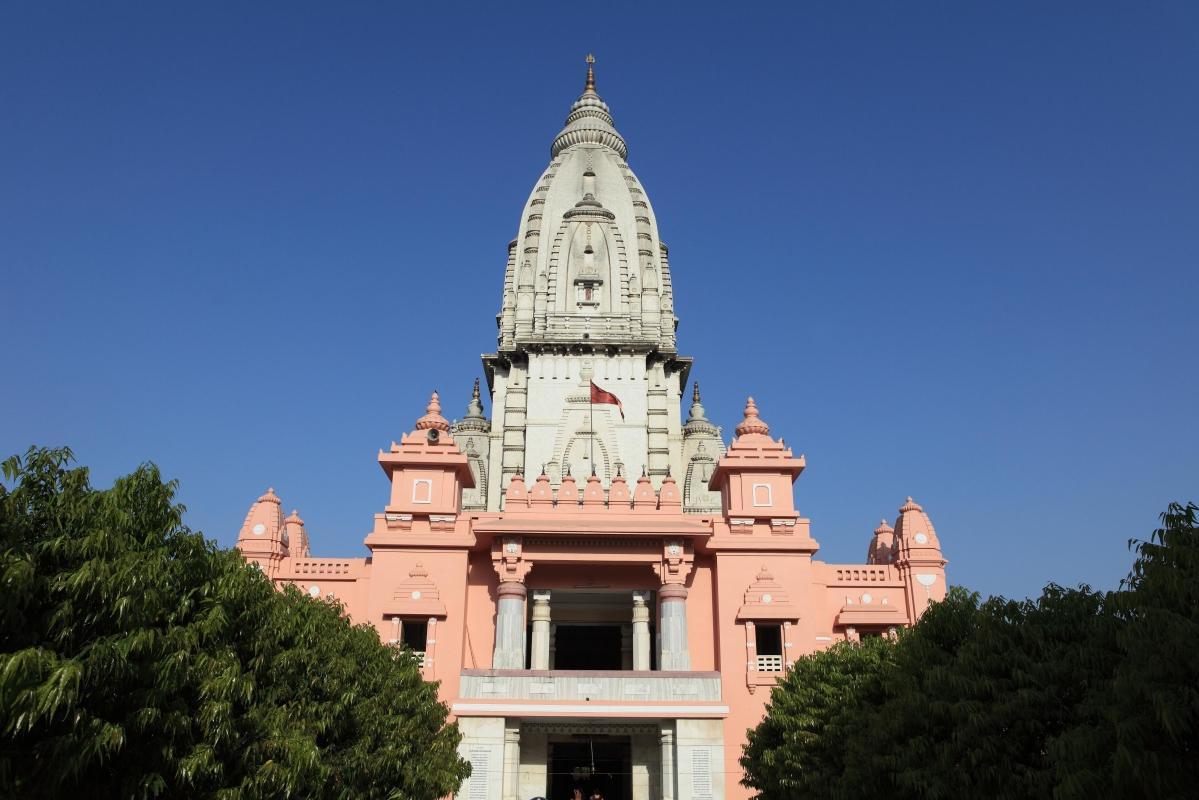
[{"x": 591, "y": 408}]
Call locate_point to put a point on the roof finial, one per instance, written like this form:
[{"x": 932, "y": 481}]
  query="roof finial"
[
  {"x": 752, "y": 422},
  {"x": 476, "y": 391},
  {"x": 432, "y": 418},
  {"x": 590, "y": 87}
]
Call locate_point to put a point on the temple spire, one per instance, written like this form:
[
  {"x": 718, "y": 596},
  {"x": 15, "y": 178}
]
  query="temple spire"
[
  {"x": 474, "y": 409},
  {"x": 590, "y": 86}
]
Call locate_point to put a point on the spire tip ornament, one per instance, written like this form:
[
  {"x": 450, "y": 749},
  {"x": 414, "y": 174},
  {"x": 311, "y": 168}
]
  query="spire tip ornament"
[
  {"x": 752, "y": 422},
  {"x": 590, "y": 85}
]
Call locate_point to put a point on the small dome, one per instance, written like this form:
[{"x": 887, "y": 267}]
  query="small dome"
[
  {"x": 752, "y": 424},
  {"x": 914, "y": 529},
  {"x": 474, "y": 419},
  {"x": 432, "y": 418}
]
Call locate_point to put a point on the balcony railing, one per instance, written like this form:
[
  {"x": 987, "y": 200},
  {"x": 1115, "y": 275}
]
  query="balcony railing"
[
  {"x": 551, "y": 686},
  {"x": 770, "y": 663}
]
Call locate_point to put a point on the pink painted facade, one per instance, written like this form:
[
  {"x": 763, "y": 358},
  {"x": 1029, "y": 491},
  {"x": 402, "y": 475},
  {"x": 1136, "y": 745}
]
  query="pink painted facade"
[{"x": 607, "y": 631}]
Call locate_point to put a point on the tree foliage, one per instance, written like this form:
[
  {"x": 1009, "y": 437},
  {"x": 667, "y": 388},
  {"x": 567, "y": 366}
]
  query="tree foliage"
[
  {"x": 138, "y": 660},
  {"x": 1076, "y": 694}
]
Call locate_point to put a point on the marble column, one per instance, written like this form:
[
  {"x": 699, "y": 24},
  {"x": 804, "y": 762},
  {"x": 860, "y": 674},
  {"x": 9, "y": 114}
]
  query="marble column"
[
  {"x": 668, "y": 771},
  {"x": 539, "y": 658},
  {"x": 641, "y": 642},
  {"x": 510, "y": 627},
  {"x": 672, "y": 628}
]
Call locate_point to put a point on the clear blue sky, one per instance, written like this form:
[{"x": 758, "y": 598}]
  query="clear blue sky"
[{"x": 951, "y": 248}]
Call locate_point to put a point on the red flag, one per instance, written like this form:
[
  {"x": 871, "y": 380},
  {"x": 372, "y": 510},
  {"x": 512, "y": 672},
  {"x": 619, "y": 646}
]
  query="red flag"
[{"x": 598, "y": 395}]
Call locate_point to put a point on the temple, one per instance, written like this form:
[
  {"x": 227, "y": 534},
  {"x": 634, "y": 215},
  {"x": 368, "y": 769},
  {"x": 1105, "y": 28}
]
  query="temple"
[{"x": 604, "y": 591}]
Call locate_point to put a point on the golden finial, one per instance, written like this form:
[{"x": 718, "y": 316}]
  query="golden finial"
[{"x": 590, "y": 87}]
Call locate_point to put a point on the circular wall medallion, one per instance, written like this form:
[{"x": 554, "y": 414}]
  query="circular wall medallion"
[
  {"x": 259, "y": 529},
  {"x": 511, "y": 547},
  {"x": 767, "y": 598},
  {"x": 314, "y": 591},
  {"x": 416, "y": 594},
  {"x": 921, "y": 538},
  {"x": 674, "y": 549},
  {"x": 867, "y": 598}
]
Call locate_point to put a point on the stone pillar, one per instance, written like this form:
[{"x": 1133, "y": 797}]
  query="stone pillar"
[
  {"x": 672, "y": 628},
  {"x": 668, "y": 771},
  {"x": 510, "y": 627},
  {"x": 641, "y": 643},
  {"x": 533, "y": 765},
  {"x": 511, "y": 760},
  {"x": 539, "y": 658}
]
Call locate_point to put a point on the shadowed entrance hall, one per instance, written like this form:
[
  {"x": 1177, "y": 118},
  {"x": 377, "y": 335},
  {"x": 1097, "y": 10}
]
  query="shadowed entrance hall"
[{"x": 591, "y": 763}]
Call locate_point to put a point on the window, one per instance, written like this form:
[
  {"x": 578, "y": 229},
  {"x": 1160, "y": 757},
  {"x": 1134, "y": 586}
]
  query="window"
[
  {"x": 412, "y": 634},
  {"x": 762, "y": 494},
  {"x": 422, "y": 490},
  {"x": 769, "y": 647}
]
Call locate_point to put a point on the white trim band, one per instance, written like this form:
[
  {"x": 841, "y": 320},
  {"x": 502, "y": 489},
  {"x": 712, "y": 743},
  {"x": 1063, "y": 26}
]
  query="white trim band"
[{"x": 584, "y": 708}]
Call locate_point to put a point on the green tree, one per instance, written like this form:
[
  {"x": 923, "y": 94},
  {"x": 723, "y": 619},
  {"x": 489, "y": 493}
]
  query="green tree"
[
  {"x": 1074, "y": 695},
  {"x": 138, "y": 660},
  {"x": 797, "y": 750},
  {"x": 976, "y": 695},
  {"x": 1155, "y": 702}
]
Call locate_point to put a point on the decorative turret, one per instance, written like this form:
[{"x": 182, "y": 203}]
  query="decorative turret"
[
  {"x": 882, "y": 545},
  {"x": 263, "y": 538},
  {"x": 754, "y": 478},
  {"x": 427, "y": 472},
  {"x": 474, "y": 420},
  {"x": 752, "y": 425},
  {"x": 914, "y": 534},
  {"x": 702, "y": 447},
  {"x": 918, "y": 557},
  {"x": 470, "y": 433},
  {"x": 432, "y": 420},
  {"x": 295, "y": 535}
]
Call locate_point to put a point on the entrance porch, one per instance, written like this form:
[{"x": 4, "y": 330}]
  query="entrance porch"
[{"x": 637, "y": 759}]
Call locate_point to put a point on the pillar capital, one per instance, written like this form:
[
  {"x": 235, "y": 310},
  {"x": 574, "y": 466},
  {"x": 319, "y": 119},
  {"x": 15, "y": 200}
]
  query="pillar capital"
[
  {"x": 513, "y": 589},
  {"x": 672, "y": 591}
]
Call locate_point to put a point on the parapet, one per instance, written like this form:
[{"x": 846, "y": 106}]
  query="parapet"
[{"x": 618, "y": 498}]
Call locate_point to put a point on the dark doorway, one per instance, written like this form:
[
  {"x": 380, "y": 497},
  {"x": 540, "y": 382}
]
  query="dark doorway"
[
  {"x": 590, "y": 763},
  {"x": 587, "y": 647}
]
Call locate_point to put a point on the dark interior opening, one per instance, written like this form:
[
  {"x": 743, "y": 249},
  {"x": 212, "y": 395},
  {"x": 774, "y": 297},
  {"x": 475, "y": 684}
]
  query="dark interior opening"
[
  {"x": 587, "y": 647},
  {"x": 603, "y": 763},
  {"x": 770, "y": 640},
  {"x": 414, "y": 634}
]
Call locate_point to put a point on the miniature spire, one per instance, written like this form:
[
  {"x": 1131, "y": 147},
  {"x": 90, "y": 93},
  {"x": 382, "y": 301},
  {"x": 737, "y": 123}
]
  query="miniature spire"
[
  {"x": 752, "y": 422},
  {"x": 270, "y": 497},
  {"x": 590, "y": 86},
  {"x": 432, "y": 418},
  {"x": 697, "y": 408},
  {"x": 474, "y": 409}
]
